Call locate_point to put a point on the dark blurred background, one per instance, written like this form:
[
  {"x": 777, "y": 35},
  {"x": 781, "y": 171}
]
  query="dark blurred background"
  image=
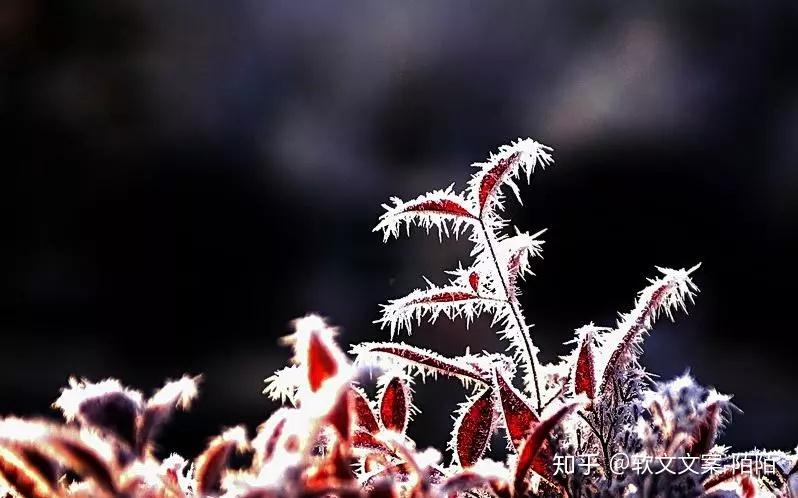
[{"x": 181, "y": 179}]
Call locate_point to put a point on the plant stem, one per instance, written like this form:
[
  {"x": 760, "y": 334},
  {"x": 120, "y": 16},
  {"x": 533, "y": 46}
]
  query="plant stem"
[
  {"x": 604, "y": 444},
  {"x": 516, "y": 313}
]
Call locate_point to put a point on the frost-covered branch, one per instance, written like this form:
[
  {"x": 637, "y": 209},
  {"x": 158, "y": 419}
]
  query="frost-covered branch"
[{"x": 491, "y": 283}]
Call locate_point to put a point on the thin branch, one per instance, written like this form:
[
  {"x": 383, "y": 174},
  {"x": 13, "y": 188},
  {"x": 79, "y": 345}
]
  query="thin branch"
[
  {"x": 604, "y": 445},
  {"x": 516, "y": 314}
]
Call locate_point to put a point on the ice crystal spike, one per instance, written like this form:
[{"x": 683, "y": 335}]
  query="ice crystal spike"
[{"x": 282, "y": 385}]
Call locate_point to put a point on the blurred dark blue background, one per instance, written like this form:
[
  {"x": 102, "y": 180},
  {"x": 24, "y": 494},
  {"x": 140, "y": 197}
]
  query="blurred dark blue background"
[{"x": 181, "y": 179}]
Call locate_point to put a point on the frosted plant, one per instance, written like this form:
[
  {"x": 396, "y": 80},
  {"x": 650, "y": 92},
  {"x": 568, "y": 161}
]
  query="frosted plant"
[
  {"x": 594, "y": 401},
  {"x": 596, "y": 407},
  {"x": 490, "y": 284}
]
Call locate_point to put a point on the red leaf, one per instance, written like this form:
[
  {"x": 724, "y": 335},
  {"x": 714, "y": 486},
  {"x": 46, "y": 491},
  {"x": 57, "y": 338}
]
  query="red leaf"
[
  {"x": 77, "y": 455},
  {"x": 445, "y": 206},
  {"x": 493, "y": 178},
  {"x": 638, "y": 327},
  {"x": 321, "y": 362},
  {"x": 366, "y": 441},
  {"x": 705, "y": 433},
  {"x": 533, "y": 446},
  {"x": 445, "y": 297},
  {"x": 212, "y": 464},
  {"x": 333, "y": 471},
  {"x": 518, "y": 416},
  {"x": 585, "y": 376},
  {"x": 364, "y": 415},
  {"x": 474, "y": 429},
  {"x": 160, "y": 407},
  {"x": 339, "y": 415},
  {"x": 748, "y": 487},
  {"x": 269, "y": 433},
  {"x": 40, "y": 463},
  {"x": 395, "y": 405},
  {"x": 427, "y": 359},
  {"x": 21, "y": 477},
  {"x": 746, "y": 482},
  {"x": 542, "y": 462},
  {"x": 114, "y": 411},
  {"x": 473, "y": 279}
]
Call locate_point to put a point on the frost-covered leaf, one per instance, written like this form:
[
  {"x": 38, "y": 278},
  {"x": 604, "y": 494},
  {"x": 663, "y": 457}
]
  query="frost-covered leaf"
[
  {"x": 340, "y": 415},
  {"x": 321, "y": 364},
  {"x": 585, "y": 371},
  {"x": 319, "y": 358},
  {"x": 473, "y": 427},
  {"x": 367, "y": 441},
  {"x": 621, "y": 346},
  {"x": 396, "y": 404},
  {"x": 269, "y": 433},
  {"x": 425, "y": 362},
  {"x": 441, "y": 209},
  {"x": 706, "y": 431},
  {"x": 105, "y": 405},
  {"x": 519, "y": 418},
  {"x": 309, "y": 451},
  {"x": 85, "y": 453},
  {"x": 177, "y": 394},
  {"x": 22, "y": 477},
  {"x": 365, "y": 417},
  {"x": 451, "y": 301},
  {"x": 533, "y": 444},
  {"x": 490, "y": 283},
  {"x": 502, "y": 168},
  {"x": 685, "y": 417},
  {"x": 212, "y": 464}
]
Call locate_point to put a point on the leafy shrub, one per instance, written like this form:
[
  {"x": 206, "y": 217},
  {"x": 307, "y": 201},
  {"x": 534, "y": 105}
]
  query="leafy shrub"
[{"x": 591, "y": 424}]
